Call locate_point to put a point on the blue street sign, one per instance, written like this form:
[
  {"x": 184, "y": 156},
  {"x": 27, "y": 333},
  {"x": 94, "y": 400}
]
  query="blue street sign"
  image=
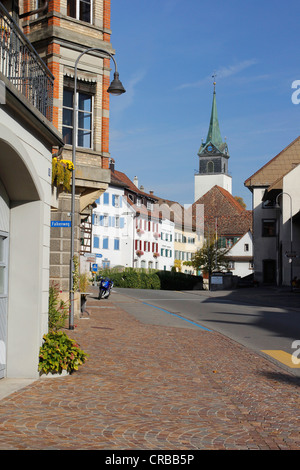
[
  {"x": 95, "y": 267},
  {"x": 60, "y": 223},
  {"x": 98, "y": 255}
]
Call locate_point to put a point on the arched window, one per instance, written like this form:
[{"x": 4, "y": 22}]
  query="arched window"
[{"x": 210, "y": 167}]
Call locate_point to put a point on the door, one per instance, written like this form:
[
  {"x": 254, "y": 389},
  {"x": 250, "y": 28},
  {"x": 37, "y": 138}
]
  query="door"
[{"x": 269, "y": 271}]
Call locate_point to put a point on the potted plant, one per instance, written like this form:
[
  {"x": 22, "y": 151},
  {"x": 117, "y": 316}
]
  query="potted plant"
[
  {"x": 62, "y": 173},
  {"x": 58, "y": 354},
  {"x": 139, "y": 253}
]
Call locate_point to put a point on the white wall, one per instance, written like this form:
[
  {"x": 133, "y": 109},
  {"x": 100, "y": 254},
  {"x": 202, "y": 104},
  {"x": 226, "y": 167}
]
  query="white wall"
[
  {"x": 25, "y": 170},
  {"x": 203, "y": 183},
  {"x": 239, "y": 250}
]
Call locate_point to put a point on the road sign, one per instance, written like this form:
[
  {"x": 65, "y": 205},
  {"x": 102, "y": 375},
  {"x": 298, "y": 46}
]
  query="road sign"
[
  {"x": 94, "y": 267},
  {"x": 60, "y": 223}
]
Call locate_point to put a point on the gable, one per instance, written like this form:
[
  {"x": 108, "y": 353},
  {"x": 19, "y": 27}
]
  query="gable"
[{"x": 272, "y": 171}]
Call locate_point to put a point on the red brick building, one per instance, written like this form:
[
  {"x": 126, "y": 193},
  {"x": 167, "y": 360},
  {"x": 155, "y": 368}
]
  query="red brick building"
[{"x": 60, "y": 31}]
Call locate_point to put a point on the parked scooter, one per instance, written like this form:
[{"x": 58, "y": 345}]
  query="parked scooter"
[{"x": 105, "y": 286}]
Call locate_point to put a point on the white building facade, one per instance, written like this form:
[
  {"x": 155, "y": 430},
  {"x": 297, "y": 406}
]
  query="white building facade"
[
  {"x": 113, "y": 230},
  {"x": 240, "y": 256}
]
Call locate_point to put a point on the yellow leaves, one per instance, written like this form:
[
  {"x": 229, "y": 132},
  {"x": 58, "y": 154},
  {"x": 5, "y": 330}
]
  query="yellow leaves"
[{"x": 62, "y": 173}]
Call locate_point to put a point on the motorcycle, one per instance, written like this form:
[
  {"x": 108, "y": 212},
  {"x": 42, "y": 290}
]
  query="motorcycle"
[{"x": 105, "y": 286}]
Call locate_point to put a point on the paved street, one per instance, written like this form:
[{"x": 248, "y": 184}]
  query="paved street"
[{"x": 155, "y": 387}]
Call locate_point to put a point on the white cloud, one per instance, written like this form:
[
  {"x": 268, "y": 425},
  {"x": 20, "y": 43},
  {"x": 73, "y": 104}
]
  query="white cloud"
[{"x": 223, "y": 72}]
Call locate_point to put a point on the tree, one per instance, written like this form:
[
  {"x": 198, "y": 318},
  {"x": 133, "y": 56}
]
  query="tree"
[
  {"x": 240, "y": 200},
  {"x": 210, "y": 258}
]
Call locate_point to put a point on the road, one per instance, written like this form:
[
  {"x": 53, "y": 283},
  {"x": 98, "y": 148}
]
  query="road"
[{"x": 270, "y": 331}]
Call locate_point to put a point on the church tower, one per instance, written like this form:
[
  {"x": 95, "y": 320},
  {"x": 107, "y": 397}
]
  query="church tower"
[{"x": 213, "y": 158}]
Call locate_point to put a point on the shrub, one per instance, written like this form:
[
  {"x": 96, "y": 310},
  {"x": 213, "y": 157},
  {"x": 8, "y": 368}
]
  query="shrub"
[
  {"x": 170, "y": 280},
  {"x": 58, "y": 310},
  {"x": 133, "y": 278},
  {"x": 58, "y": 353}
]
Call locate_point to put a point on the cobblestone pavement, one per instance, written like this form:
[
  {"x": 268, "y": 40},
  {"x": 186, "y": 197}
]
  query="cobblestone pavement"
[{"x": 156, "y": 388}]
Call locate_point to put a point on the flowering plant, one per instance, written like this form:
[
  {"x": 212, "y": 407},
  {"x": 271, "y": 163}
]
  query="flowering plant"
[
  {"x": 62, "y": 172},
  {"x": 156, "y": 255},
  {"x": 139, "y": 253},
  {"x": 58, "y": 353},
  {"x": 156, "y": 235}
]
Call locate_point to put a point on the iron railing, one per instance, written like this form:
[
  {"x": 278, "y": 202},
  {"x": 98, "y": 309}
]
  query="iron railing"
[{"x": 23, "y": 67}]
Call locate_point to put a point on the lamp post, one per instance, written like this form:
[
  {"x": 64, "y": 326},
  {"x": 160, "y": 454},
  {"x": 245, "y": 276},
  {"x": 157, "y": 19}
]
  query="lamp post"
[
  {"x": 115, "y": 88},
  {"x": 291, "y": 232}
]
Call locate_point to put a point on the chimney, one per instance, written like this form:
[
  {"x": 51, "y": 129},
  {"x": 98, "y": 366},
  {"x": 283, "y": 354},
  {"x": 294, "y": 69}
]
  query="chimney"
[
  {"x": 112, "y": 164},
  {"x": 136, "y": 181},
  {"x": 151, "y": 193},
  {"x": 142, "y": 188}
]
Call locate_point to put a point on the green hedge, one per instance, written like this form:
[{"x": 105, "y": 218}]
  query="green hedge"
[
  {"x": 141, "y": 279},
  {"x": 170, "y": 280},
  {"x": 134, "y": 279}
]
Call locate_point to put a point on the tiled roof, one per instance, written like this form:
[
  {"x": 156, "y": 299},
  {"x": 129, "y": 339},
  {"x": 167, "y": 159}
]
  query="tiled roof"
[
  {"x": 272, "y": 171},
  {"x": 223, "y": 213},
  {"x": 120, "y": 178}
]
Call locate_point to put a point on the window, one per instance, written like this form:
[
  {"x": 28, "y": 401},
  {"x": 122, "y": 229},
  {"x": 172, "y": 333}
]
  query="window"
[
  {"x": 80, "y": 10},
  {"x": 246, "y": 247},
  {"x": 268, "y": 227},
  {"x": 210, "y": 167},
  {"x": 116, "y": 200},
  {"x": 116, "y": 244},
  {"x": 105, "y": 243},
  {"x": 84, "y": 118},
  {"x": 105, "y": 220}
]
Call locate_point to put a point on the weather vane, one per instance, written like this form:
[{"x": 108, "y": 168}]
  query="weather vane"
[{"x": 214, "y": 77}]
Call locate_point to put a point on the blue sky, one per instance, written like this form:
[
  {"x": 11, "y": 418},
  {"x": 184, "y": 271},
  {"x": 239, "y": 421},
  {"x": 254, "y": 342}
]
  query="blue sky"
[{"x": 167, "y": 52}]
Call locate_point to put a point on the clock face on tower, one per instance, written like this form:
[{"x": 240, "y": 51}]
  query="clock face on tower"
[{"x": 209, "y": 148}]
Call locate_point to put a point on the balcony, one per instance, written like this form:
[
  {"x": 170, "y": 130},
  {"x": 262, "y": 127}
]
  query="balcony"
[{"x": 23, "y": 67}]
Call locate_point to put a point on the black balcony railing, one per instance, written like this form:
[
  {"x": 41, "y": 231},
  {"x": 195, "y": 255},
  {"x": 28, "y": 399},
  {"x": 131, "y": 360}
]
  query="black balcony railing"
[{"x": 23, "y": 67}]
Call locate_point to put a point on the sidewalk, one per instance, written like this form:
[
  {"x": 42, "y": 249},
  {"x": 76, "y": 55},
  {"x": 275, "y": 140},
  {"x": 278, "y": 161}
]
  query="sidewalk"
[{"x": 155, "y": 388}]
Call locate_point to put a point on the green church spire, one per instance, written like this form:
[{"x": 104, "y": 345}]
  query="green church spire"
[{"x": 214, "y": 134}]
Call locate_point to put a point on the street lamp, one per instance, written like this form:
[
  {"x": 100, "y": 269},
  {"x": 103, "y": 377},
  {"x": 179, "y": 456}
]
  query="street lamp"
[
  {"x": 291, "y": 236},
  {"x": 115, "y": 88}
]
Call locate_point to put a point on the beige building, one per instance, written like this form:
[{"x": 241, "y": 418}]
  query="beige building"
[{"x": 276, "y": 217}]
